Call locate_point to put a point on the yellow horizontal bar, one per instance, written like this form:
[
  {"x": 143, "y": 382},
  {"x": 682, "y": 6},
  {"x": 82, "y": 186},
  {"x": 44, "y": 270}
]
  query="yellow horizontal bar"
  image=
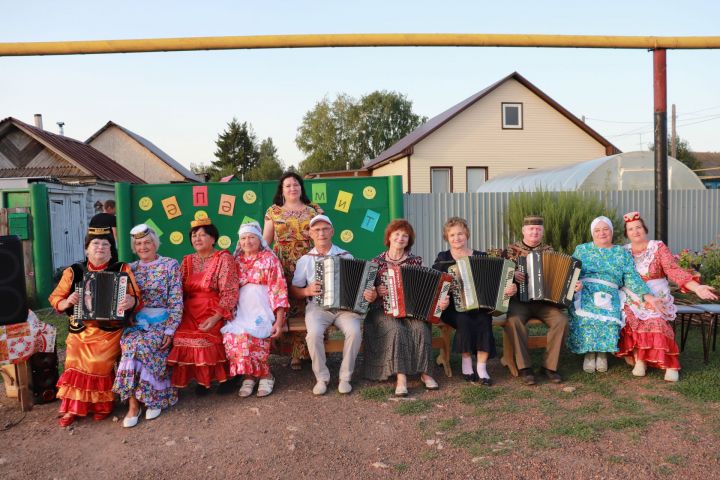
[{"x": 354, "y": 40}]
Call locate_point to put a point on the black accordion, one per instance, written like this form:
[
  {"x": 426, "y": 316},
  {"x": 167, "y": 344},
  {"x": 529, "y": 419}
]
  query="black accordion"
[
  {"x": 101, "y": 295},
  {"x": 343, "y": 282},
  {"x": 480, "y": 282},
  {"x": 549, "y": 277},
  {"x": 415, "y": 291}
]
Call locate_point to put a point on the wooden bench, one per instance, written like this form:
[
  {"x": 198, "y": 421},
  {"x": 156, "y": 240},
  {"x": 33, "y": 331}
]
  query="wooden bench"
[
  {"x": 508, "y": 358},
  {"x": 334, "y": 343}
]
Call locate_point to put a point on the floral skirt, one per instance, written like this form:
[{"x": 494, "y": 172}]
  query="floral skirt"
[
  {"x": 653, "y": 339},
  {"x": 247, "y": 355},
  {"x": 143, "y": 372}
]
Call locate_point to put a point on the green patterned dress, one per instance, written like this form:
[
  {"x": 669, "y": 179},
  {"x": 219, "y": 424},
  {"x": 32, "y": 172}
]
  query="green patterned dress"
[{"x": 595, "y": 315}]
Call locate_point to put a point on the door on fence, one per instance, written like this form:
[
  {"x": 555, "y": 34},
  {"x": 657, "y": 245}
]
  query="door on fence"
[{"x": 67, "y": 228}]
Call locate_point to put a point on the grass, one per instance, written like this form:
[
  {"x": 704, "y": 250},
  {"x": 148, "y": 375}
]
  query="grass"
[
  {"x": 448, "y": 424},
  {"x": 413, "y": 407},
  {"x": 659, "y": 399},
  {"x": 474, "y": 440},
  {"x": 479, "y": 395},
  {"x": 60, "y": 322},
  {"x": 377, "y": 393}
]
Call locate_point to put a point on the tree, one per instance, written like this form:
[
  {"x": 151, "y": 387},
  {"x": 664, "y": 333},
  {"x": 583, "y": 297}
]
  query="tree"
[
  {"x": 345, "y": 132},
  {"x": 684, "y": 152},
  {"x": 237, "y": 151},
  {"x": 269, "y": 166},
  {"x": 203, "y": 170}
]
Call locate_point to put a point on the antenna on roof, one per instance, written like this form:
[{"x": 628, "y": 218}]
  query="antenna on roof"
[{"x": 60, "y": 126}]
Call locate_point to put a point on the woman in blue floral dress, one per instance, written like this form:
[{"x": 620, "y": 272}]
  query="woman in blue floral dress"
[
  {"x": 595, "y": 315},
  {"x": 143, "y": 375}
]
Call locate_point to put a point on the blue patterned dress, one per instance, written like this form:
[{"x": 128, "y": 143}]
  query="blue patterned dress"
[
  {"x": 143, "y": 371},
  {"x": 595, "y": 315}
]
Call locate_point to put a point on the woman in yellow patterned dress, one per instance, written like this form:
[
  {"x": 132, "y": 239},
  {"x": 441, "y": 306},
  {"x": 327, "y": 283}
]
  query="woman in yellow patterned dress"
[{"x": 287, "y": 225}]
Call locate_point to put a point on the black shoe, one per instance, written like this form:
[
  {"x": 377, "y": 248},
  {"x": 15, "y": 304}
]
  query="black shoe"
[
  {"x": 472, "y": 377},
  {"x": 228, "y": 386},
  {"x": 201, "y": 390},
  {"x": 486, "y": 382},
  {"x": 526, "y": 375},
  {"x": 554, "y": 377}
]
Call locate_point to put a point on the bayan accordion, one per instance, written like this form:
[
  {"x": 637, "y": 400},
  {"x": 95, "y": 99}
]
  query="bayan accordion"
[
  {"x": 343, "y": 282},
  {"x": 415, "y": 291},
  {"x": 101, "y": 295},
  {"x": 549, "y": 277},
  {"x": 480, "y": 283}
]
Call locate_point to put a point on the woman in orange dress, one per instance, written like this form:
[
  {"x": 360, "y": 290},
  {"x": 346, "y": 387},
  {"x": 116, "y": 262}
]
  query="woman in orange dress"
[
  {"x": 287, "y": 227},
  {"x": 210, "y": 294},
  {"x": 92, "y": 347}
]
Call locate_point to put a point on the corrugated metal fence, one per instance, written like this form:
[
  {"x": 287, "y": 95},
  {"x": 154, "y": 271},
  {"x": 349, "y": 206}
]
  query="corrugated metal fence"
[{"x": 694, "y": 217}]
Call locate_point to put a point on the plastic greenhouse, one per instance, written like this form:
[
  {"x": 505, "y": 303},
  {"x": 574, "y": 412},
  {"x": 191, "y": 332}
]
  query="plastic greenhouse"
[{"x": 624, "y": 171}]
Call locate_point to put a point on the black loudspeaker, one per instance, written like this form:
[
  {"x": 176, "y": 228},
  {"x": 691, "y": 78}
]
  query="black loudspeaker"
[
  {"x": 13, "y": 297},
  {"x": 44, "y": 376}
]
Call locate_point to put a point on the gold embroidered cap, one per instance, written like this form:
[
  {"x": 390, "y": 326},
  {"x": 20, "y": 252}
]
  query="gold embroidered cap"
[
  {"x": 533, "y": 220},
  {"x": 201, "y": 222},
  {"x": 96, "y": 231}
]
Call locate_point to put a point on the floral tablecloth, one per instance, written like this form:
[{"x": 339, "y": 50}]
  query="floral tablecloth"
[{"x": 19, "y": 341}]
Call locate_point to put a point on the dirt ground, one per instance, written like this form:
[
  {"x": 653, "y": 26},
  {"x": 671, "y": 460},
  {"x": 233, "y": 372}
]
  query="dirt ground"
[{"x": 613, "y": 427}]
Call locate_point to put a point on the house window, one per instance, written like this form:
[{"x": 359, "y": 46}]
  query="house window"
[
  {"x": 512, "y": 116},
  {"x": 476, "y": 176},
  {"x": 441, "y": 180}
]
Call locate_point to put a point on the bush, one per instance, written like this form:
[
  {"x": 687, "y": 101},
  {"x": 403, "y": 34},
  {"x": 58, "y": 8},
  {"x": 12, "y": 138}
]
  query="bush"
[
  {"x": 567, "y": 217},
  {"x": 707, "y": 263}
]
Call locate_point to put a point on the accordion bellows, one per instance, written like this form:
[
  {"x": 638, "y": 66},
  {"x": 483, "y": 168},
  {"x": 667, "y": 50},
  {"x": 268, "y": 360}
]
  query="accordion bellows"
[
  {"x": 549, "y": 277},
  {"x": 343, "y": 282},
  {"x": 415, "y": 291},
  {"x": 101, "y": 295},
  {"x": 480, "y": 283}
]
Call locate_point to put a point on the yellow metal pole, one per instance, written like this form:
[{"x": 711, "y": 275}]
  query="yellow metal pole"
[{"x": 355, "y": 40}]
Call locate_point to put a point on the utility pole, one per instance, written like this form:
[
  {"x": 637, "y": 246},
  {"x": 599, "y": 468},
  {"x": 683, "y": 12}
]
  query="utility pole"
[
  {"x": 673, "y": 137},
  {"x": 661, "y": 157}
]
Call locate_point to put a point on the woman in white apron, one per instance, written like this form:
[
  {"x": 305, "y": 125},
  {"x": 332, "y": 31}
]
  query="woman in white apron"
[{"x": 260, "y": 313}]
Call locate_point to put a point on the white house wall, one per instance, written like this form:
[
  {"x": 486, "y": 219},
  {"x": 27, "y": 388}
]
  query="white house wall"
[{"x": 475, "y": 138}]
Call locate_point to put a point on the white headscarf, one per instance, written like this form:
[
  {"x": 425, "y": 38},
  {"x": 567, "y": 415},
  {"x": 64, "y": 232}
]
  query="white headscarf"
[
  {"x": 599, "y": 219},
  {"x": 254, "y": 228}
]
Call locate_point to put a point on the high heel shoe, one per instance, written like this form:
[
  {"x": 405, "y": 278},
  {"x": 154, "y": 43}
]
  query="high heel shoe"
[{"x": 67, "y": 420}]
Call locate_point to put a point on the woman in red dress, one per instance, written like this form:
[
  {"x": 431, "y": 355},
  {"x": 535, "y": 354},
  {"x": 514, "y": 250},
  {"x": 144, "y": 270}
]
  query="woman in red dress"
[{"x": 210, "y": 294}]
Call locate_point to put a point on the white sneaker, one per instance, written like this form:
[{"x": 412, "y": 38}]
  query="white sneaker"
[
  {"x": 601, "y": 362},
  {"x": 672, "y": 375},
  {"x": 344, "y": 387},
  {"x": 639, "y": 369},
  {"x": 589, "y": 362},
  {"x": 152, "y": 413},
  {"x": 320, "y": 388}
]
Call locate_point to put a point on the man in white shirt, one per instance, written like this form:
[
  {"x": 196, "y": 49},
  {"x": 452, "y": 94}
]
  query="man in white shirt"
[{"x": 318, "y": 320}]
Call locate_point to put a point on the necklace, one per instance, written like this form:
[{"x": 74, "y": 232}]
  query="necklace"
[{"x": 387, "y": 255}]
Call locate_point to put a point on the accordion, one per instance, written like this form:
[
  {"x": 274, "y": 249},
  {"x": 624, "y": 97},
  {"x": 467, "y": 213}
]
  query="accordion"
[
  {"x": 101, "y": 295},
  {"x": 415, "y": 291},
  {"x": 549, "y": 277},
  {"x": 480, "y": 282},
  {"x": 343, "y": 282}
]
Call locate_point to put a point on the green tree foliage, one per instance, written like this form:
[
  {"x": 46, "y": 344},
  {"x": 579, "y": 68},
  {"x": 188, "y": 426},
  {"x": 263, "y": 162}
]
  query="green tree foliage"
[
  {"x": 684, "y": 152},
  {"x": 345, "y": 132},
  {"x": 567, "y": 217},
  {"x": 237, "y": 152},
  {"x": 269, "y": 166}
]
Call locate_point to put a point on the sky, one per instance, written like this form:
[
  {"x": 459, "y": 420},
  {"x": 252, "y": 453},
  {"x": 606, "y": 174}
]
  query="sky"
[{"x": 181, "y": 101}]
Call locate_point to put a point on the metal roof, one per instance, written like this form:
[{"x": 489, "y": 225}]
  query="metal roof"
[
  {"x": 624, "y": 171},
  {"x": 157, "y": 151},
  {"x": 405, "y": 145},
  {"x": 79, "y": 154}
]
